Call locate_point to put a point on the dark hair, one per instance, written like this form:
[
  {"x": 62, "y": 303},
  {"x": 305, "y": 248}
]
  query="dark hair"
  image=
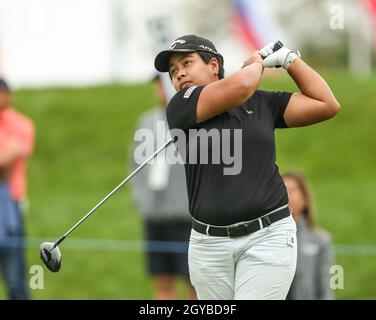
[{"x": 207, "y": 56}]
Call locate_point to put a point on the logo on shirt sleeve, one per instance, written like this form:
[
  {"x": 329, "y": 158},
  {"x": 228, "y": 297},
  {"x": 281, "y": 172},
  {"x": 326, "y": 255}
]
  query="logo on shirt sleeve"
[{"x": 189, "y": 91}]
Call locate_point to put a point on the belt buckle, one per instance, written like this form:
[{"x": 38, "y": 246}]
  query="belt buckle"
[
  {"x": 266, "y": 221},
  {"x": 237, "y": 231}
]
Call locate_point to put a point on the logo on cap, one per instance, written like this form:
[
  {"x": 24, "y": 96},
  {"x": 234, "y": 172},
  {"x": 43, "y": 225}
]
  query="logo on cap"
[
  {"x": 176, "y": 42},
  {"x": 206, "y": 48}
]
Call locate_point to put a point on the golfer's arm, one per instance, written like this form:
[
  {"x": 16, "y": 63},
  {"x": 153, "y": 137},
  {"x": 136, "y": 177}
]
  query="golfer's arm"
[
  {"x": 314, "y": 103},
  {"x": 228, "y": 93}
]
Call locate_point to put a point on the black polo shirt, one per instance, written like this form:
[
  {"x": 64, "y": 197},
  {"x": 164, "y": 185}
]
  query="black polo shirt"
[{"x": 215, "y": 197}]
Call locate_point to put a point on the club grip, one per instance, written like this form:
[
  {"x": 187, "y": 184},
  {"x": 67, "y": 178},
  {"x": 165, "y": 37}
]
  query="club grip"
[{"x": 278, "y": 45}]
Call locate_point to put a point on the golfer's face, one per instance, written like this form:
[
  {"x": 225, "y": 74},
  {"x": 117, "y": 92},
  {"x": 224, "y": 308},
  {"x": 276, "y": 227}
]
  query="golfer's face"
[{"x": 187, "y": 70}]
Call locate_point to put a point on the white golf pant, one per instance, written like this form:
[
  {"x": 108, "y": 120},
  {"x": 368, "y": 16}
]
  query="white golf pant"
[{"x": 257, "y": 266}]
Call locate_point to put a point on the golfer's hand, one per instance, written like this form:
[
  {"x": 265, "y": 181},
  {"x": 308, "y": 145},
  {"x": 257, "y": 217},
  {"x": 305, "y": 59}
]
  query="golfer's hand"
[
  {"x": 283, "y": 57},
  {"x": 255, "y": 57}
]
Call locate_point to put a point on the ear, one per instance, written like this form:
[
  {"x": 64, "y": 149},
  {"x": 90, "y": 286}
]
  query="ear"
[{"x": 214, "y": 65}]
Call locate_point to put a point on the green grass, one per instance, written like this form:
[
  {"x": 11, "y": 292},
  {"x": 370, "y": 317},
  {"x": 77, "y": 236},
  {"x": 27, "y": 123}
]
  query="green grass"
[{"x": 83, "y": 139}]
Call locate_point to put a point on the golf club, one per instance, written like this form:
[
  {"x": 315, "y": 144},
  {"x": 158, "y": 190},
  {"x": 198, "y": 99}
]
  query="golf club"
[{"x": 50, "y": 252}]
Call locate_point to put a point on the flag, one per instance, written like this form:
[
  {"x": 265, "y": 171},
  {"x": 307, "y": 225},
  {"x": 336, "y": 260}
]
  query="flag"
[
  {"x": 253, "y": 25},
  {"x": 370, "y": 6}
]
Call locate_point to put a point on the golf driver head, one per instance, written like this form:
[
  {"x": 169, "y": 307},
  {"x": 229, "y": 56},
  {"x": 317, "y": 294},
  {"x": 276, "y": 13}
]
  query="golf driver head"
[{"x": 50, "y": 257}]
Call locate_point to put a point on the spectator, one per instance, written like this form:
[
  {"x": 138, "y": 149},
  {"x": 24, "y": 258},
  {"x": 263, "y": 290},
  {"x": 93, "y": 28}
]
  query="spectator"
[
  {"x": 161, "y": 196},
  {"x": 314, "y": 259},
  {"x": 16, "y": 145}
]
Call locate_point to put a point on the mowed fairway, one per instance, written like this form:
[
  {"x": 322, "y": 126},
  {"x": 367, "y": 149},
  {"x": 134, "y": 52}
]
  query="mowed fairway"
[{"x": 83, "y": 150}]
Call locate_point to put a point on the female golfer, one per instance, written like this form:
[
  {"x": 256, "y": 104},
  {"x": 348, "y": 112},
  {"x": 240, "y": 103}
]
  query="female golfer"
[{"x": 243, "y": 242}]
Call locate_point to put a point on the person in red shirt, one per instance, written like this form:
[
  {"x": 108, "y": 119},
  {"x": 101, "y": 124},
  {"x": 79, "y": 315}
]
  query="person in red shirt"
[{"x": 16, "y": 145}]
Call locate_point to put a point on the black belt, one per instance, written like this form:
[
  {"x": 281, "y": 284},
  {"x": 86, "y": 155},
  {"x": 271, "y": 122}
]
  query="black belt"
[{"x": 241, "y": 229}]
